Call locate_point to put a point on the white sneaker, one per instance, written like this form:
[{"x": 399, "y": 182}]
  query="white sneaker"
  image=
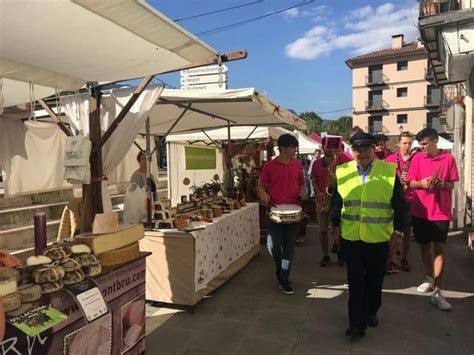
[
  {"x": 426, "y": 286},
  {"x": 438, "y": 300}
]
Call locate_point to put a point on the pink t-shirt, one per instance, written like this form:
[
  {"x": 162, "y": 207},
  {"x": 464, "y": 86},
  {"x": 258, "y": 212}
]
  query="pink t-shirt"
[
  {"x": 283, "y": 180},
  {"x": 435, "y": 205},
  {"x": 398, "y": 160},
  {"x": 320, "y": 172}
]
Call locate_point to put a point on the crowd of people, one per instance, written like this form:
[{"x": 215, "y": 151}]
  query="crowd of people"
[{"x": 372, "y": 197}]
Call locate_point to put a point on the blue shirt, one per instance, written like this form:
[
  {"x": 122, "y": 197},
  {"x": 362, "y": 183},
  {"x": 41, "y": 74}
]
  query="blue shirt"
[{"x": 364, "y": 173}]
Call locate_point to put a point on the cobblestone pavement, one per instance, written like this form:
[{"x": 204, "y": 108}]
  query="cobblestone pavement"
[{"x": 250, "y": 315}]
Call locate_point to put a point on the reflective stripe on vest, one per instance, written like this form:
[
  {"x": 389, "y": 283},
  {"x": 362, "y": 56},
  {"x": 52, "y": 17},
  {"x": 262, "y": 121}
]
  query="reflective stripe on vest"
[{"x": 367, "y": 212}]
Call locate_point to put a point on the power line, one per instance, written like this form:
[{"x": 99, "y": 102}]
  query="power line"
[
  {"x": 342, "y": 109},
  {"x": 217, "y": 11},
  {"x": 237, "y": 24}
]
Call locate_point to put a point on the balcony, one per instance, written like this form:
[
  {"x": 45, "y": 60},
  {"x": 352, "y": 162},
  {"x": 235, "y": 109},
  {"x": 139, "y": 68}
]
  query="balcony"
[
  {"x": 432, "y": 101},
  {"x": 428, "y": 73},
  {"x": 376, "y": 79},
  {"x": 447, "y": 28},
  {"x": 437, "y": 7},
  {"x": 371, "y": 106}
]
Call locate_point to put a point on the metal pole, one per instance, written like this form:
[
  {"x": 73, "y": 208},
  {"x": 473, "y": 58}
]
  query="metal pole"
[{"x": 148, "y": 173}]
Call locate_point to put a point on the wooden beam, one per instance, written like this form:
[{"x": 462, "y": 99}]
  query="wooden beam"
[
  {"x": 136, "y": 94},
  {"x": 217, "y": 59},
  {"x": 55, "y": 117}
]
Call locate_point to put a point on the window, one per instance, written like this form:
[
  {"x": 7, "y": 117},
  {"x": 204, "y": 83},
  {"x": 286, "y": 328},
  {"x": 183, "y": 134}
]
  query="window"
[
  {"x": 433, "y": 97},
  {"x": 402, "y": 92},
  {"x": 403, "y": 65},
  {"x": 375, "y": 124},
  {"x": 433, "y": 121},
  {"x": 375, "y": 74},
  {"x": 402, "y": 118},
  {"x": 375, "y": 99}
]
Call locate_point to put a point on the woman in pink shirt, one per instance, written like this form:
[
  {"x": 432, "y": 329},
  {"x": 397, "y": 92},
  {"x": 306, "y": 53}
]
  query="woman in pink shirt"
[
  {"x": 432, "y": 175},
  {"x": 282, "y": 182}
]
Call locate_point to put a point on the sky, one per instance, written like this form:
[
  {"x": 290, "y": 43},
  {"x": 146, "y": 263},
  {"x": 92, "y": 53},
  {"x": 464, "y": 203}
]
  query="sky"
[{"x": 297, "y": 57}]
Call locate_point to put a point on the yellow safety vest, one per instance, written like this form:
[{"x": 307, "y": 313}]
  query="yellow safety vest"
[{"x": 367, "y": 212}]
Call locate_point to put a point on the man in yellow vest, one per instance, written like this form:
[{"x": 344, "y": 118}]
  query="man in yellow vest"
[{"x": 368, "y": 204}]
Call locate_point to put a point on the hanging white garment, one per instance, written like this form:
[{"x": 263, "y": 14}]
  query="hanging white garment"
[{"x": 76, "y": 160}]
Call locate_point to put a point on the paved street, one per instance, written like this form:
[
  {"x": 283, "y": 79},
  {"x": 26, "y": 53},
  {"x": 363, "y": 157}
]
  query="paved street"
[{"x": 249, "y": 315}]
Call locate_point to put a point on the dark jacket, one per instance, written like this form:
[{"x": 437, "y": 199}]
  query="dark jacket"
[{"x": 399, "y": 205}]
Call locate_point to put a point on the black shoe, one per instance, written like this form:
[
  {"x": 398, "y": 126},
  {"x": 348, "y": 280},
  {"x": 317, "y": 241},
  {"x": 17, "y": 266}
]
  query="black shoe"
[
  {"x": 355, "y": 332},
  {"x": 372, "y": 321},
  {"x": 286, "y": 288},
  {"x": 334, "y": 249},
  {"x": 325, "y": 261},
  {"x": 340, "y": 259}
]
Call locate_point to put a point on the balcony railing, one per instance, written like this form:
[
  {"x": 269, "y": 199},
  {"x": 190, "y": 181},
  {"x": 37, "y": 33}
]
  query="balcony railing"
[
  {"x": 432, "y": 101},
  {"x": 428, "y": 73},
  {"x": 375, "y": 79},
  {"x": 376, "y": 106},
  {"x": 436, "y": 7}
]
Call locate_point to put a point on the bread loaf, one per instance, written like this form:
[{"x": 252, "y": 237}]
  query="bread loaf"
[
  {"x": 49, "y": 287},
  {"x": 73, "y": 277}
]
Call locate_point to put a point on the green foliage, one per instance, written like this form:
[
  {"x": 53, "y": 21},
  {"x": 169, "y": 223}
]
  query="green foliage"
[{"x": 340, "y": 127}]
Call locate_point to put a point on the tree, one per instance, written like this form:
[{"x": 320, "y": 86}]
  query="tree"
[
  {"x": 341, "y": 126},
  {"x": 314, "y": 123}
]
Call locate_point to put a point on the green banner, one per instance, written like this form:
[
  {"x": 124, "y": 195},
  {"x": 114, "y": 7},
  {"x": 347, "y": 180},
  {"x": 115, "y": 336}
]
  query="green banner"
[
  {"x": 200, "y": 158},
  {"x": 37, "y": 320}
]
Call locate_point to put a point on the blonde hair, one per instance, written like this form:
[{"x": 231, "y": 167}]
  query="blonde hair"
[{"x": 405, "y": 134}]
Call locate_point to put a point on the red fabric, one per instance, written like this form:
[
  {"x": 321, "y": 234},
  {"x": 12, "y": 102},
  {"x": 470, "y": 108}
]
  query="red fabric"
[
  {"x": 437, "y": 204},
  {"x": 316, "y": 138},
  {"x": 283, "y": 181},
  {"x": 347, "y": 155},
  {"x": 319, "y": 172}
]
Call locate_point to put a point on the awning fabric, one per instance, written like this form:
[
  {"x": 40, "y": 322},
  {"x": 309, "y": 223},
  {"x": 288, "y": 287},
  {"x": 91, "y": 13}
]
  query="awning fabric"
[
  {"x": 306, "y": 144},
  {"x": 443, "y": 143},
  {"x": 236, "y": 133},
  {"x": 240, "y": 107},
  {"x": 64, "y": 44}
]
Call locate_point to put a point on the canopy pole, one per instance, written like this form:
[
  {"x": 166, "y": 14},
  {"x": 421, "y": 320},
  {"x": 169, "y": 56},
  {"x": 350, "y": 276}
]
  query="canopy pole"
[
  {"x": 92, "y": 193},
  {"x": 186, "y": 108},
  {"x": 229, "y": 151},
  {"x": 136, "y": 94},
  {"x": 55, "y": 117},
  {"x": 213, "y": 141},
  {"x": 148, "y": 173}
]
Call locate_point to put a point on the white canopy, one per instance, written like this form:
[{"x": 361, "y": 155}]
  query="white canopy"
[
  {"x": 214, "y": 109},
  {"x": 236, "y": 133},
  {"x": 64, "y": 44},
  {"x": 443, "y": 143},
  {"x": 306, "y": 144}
]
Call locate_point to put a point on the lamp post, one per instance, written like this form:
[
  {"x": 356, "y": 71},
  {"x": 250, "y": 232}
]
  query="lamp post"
[{"x": 401, "y": 128}]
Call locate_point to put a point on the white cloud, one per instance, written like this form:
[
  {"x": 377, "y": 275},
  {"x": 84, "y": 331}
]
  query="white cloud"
[
  {"x": 291, "y": 13},
  {"x": 370, "y": 29}
]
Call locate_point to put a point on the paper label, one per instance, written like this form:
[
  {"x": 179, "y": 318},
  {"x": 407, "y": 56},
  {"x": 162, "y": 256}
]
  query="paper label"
[{"x": 89, "y": 298}]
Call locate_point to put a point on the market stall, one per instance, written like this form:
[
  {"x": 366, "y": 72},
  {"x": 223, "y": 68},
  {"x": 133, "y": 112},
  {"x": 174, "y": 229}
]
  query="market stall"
[
  {"x": 85, "y": 295},
  {"x": 186, "y": 266}
]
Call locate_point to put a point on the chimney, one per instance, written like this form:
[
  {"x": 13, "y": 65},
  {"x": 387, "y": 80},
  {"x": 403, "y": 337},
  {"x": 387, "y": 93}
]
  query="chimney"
[{"x": 397, "y": 41}]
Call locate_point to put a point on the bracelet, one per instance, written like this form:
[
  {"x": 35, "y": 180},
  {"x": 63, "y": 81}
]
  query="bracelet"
[{"x": 400, "y": 234}]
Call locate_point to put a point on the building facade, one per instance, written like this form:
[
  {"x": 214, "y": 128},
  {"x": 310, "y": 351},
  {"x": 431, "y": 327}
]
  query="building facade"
[
  {"x": 447, "y": 31},
  {"x": 393, "y": 90}
]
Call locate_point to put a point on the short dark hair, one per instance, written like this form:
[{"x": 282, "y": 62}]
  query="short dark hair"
[
  {"x": 140, "y": 154},
  {"x": 430, "y": 133},
  {"x": 380, "y": 138},
  {"x": 287, "y": 140}
]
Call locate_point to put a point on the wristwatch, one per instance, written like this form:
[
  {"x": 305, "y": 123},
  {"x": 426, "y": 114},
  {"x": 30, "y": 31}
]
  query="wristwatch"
[{"x": 399, "y": 233}]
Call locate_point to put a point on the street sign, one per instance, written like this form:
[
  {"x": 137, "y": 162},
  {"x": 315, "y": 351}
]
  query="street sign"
[
  {"x": 203, "y": 79},
  {"x": 210, "y": 69},
  {"x": 210, "y": 86}
]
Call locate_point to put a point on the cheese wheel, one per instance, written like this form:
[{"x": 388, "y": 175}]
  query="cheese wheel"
[
  {"x": 11, "y": 302},
  {"x": 48, "y": 273},
  {"x": 8, "y": 281},
  {"x": 29, "y": 293},
  {"x": 92, "y": 270},
  {"x": 119, "y": 256},
  {"x": 70, "y": 264}
]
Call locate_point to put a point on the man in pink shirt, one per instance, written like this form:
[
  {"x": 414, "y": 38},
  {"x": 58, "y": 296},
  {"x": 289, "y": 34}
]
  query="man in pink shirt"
[
  {"x": 403, "y": 160},
  {"x": 282, "y": 182},
  {"x": 432, "y": 175}
]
